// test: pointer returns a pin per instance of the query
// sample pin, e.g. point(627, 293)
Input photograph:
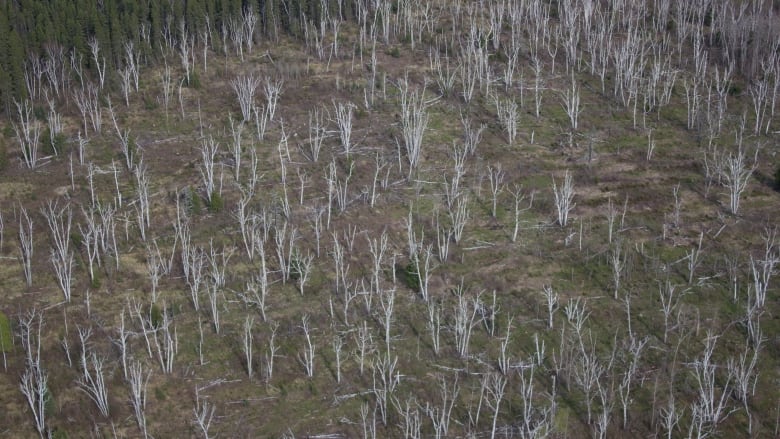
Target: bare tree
point(271, 353)
point(495, 385)
point(519, 197)
point(508, 116)
point(551, 301)
point(34, 380)
point(142, 205)
point(459, 215)
point(247, 344)
point(272, 91)
point(385, 381)
point(93, 382)
point(423, 271)
point(465, 314)
point(203, 414)
point(208, 152)
point(571, 103)
point(670, 416)
point(308, 351)
point(249, 20)
point(125, 144)
point(414, 121)
point(26, 244)
point(138, 382)
point(471, 136)
point(745, 378)
point(365, 344)
point(28, 133)
point(588, 372)
point(338, 345)
point(617, 262)
point(496, 179)
point(63, 269)
point(441, 415)
point(245, 87)
point(236, 148)
point(563, 198)
point(539, 84)
point(630, 374)
point(166, 341)
point(167, 88)
point(344, 123)
point(711, 405)
point(317, 134)
point(125, 84)
point(736, 174)
point(387, 304)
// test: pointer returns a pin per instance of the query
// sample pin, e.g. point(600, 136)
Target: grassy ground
point(574, 260)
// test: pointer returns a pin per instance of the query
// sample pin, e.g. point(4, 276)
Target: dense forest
point(36, 36)
point(40, 38)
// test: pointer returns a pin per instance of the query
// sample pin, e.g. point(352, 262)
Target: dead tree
point(26, 244)
point(236, 130)
point(34, 380)
point(28, 133)
point(247, 344)
point(203, 414)
point(495, 386)
point(519, 197)
point(508, 116)
point(245, 87)
point(272, 91)
point(138, 383)
point(308, 351)
point(344, 123)
point(551, 302)
point(496, 179)
point(563, 198)
point(711, 406)
point(736, 174)
point(414, 121)
point(208, 152)
point(571, 103)
point(93, 381)
point(465, 315)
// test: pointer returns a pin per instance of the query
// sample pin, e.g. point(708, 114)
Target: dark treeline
point(34, 32)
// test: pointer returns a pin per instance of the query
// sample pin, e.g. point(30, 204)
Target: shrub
point(194, 80)
point(6, 341)
point(55, 144)
point(3, 156)
point(95, 284)
point(156, 316)
point(777, 178)
point(410, 276)
point(216, 203)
